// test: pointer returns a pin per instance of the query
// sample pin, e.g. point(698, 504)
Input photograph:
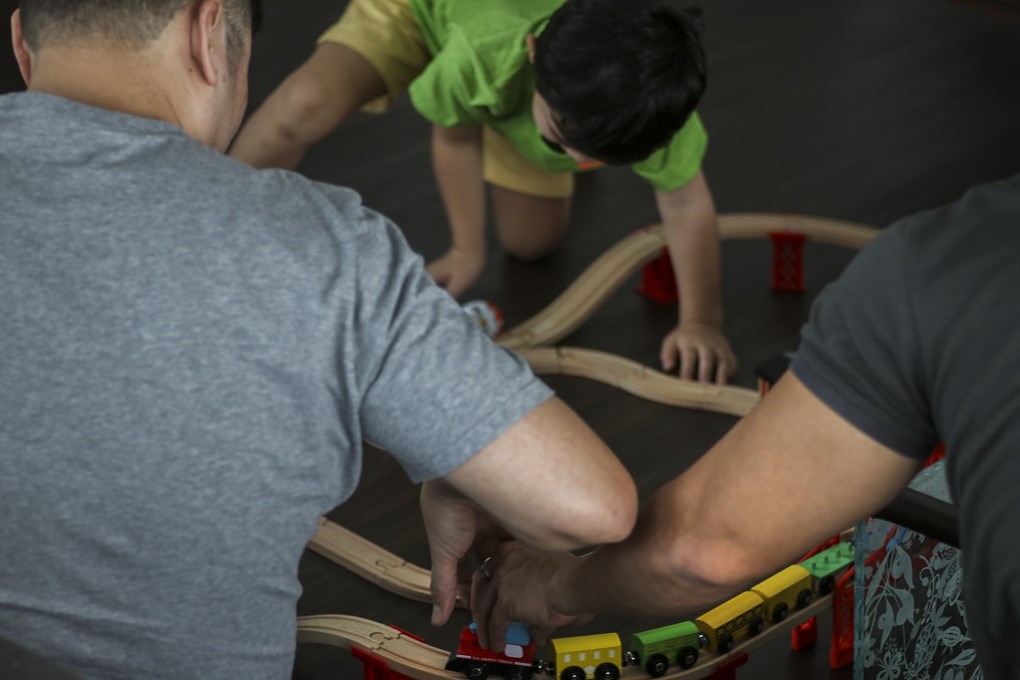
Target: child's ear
point(530, 40)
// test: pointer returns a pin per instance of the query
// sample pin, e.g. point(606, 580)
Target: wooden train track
point(401, 652)
point(404, 654)
point(371, 562)
point(607, 273)
point(639, 380)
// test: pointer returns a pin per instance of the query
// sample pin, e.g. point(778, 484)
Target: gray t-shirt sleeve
point(434, 389)
point(861, 353)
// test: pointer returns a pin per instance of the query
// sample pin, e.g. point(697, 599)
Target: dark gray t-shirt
point(192, 352)
point(916, 344)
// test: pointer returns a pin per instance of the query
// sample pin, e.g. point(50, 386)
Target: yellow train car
point(588, 656)
point(742, 616)
point(786, 590)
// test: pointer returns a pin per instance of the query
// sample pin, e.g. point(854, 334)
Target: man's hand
point(702, 346)
point(454, 526)
point(457, 270)
point(522, 588)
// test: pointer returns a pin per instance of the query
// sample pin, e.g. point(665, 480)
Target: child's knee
point(530, 247)
point(529, 227)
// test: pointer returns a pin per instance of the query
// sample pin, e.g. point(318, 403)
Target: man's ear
point(208, 39)
point(21, 51)
point(530, 40)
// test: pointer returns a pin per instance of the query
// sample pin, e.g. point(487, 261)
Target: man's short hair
point(621, 78)
point(131, 23)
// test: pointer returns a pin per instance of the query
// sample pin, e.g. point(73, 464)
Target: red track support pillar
point(804, 635)
point(728, 669)
point(658, 281)
point(375, 667)
point(938, 454)
point(787, 261)
point(842, 651)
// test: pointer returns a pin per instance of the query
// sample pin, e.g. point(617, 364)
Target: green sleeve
point(676, 164)
point(455, 88)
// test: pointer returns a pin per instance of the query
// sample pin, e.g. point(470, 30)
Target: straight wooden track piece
point(819, 229)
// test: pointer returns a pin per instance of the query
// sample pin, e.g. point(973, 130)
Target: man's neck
point(129, 81)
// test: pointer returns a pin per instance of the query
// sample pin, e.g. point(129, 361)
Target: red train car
point(516, 662)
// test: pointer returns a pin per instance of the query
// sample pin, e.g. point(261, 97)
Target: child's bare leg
point(529, 227)
point(308, 105)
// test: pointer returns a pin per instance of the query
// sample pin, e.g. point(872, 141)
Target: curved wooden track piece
point(371, 562)
point(639, 380)
point(415, 659)
point(591, 289)
point(588, 291)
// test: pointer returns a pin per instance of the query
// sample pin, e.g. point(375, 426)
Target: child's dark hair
point(621, 76)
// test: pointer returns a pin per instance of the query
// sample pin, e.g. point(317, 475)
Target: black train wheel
point(476, 671)
point(687, 657)
point(572, 673)
point(607, 671)
point(657, 665)
point(757, 626)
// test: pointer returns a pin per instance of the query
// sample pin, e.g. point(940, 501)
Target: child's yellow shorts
point(385, 33)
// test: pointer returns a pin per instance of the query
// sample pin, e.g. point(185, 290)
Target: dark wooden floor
point(866, 110)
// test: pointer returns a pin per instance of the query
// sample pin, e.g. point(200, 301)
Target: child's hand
point(702, 346)
point(457, 270)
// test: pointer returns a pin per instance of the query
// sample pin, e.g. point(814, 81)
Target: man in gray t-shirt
point(913, 345)
point(194, 351)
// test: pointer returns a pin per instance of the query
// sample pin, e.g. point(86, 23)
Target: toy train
point(602, 656)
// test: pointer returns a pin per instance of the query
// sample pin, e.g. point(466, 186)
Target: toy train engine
point(782, 592)
point(598, 657)
point(655, 649)
point(516, 662)
point(828, 565)
point(739, 617)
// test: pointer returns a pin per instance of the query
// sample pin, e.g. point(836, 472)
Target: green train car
point(655, 649)
point(828, 565)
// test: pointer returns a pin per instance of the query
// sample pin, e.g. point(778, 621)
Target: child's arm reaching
point(457, 161)
point(689, 219)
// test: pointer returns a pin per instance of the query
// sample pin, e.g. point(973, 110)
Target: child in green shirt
point(521, 96)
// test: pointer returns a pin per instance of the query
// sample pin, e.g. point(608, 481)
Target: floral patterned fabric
point(909, 614)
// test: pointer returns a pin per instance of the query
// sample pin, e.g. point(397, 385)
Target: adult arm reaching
point(518, 481)
point(788, 475)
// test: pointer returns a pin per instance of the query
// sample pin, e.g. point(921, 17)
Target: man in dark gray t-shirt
point(912, 346)
point(193, 352)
